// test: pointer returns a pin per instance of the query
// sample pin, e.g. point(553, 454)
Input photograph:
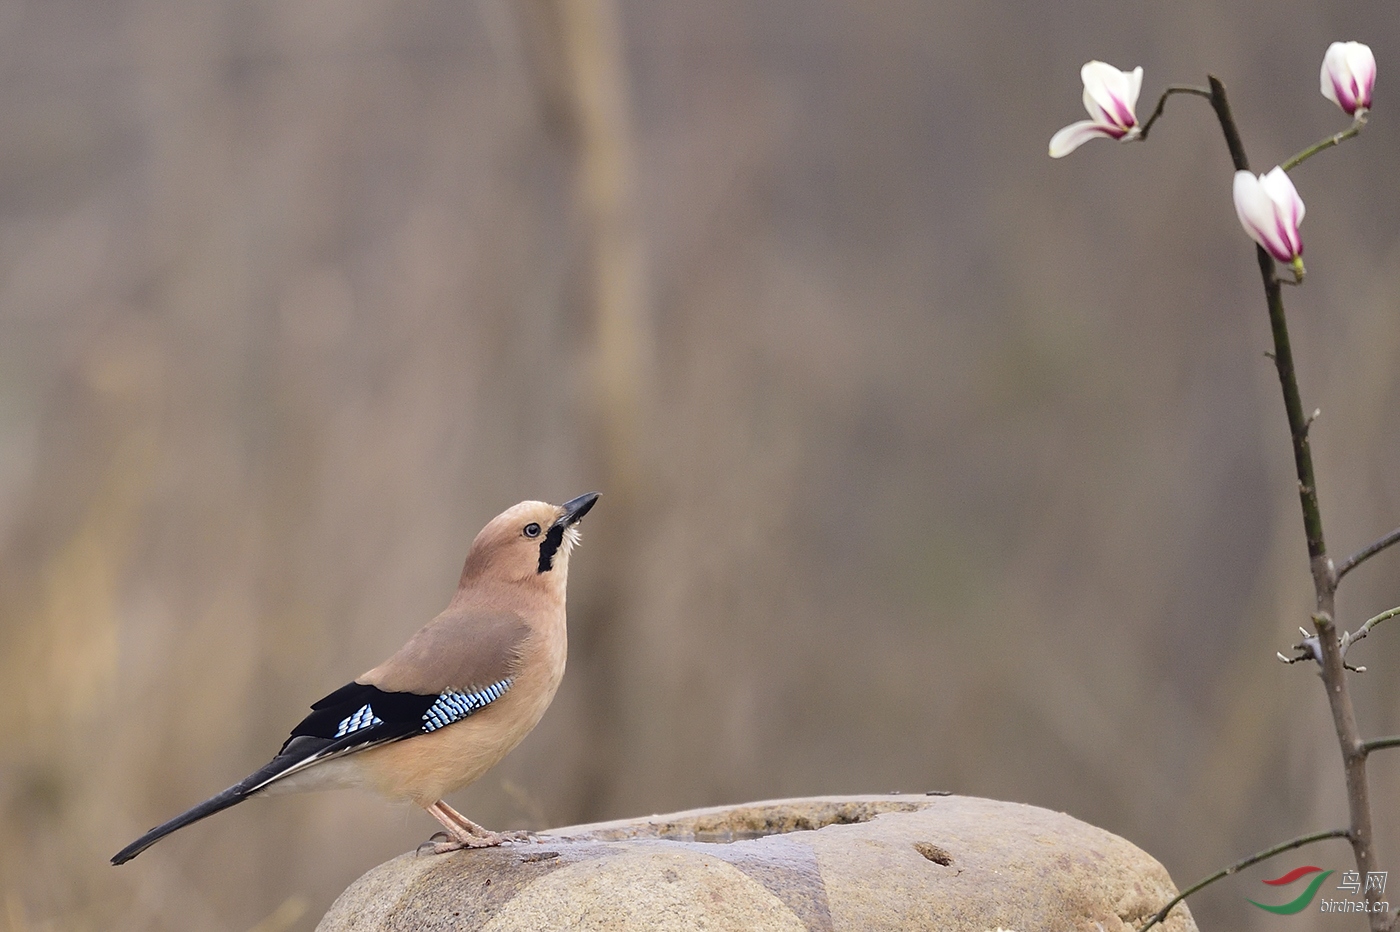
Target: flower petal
point(1097, 113)
point(1362, 63)
point(1288, 208)
point(1134, 87)
point(1107, 93)
point(1281, 191)
point(1075, 135)
point(1332, 64)
point(1258, 216)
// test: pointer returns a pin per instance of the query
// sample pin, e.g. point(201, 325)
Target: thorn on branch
point(1310, 648)
point(1268, 354)
point(1307, 424)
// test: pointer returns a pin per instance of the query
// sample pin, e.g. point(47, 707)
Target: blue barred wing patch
point(453, 705)
point(363, 717)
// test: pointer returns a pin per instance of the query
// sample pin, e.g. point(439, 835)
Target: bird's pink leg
point(461, 831)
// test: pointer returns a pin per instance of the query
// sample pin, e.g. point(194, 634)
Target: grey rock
point(809, 865)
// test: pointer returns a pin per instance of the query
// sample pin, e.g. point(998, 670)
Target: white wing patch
point(453, 706)
point(363, 717)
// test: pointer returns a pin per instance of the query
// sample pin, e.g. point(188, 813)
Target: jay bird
point(453, 701)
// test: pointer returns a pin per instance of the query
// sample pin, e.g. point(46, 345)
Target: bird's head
point(528, 543)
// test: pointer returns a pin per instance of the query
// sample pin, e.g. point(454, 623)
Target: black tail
point(229, 797)
point(296, 751)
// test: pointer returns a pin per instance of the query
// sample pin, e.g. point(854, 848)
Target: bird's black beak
point(576, 508)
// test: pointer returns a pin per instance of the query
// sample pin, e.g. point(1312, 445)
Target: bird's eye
point(532, 530)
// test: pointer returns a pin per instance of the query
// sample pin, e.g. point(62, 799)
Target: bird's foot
point(488, 840)
point(458, 844)
point(443, 842)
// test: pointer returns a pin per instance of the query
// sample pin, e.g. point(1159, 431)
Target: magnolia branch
point(1323, 573)
point(1270, 209)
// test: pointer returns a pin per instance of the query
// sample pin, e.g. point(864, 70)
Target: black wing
point(356, 715)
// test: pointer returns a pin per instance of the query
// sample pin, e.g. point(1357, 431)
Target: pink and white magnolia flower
point(1270, 211)
point(1349, 76)
point(1110, 96)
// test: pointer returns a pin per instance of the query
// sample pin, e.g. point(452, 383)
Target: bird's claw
point(431, 845)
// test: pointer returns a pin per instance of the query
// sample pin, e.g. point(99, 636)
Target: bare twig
point(1238, 866)
point(1349, 639)
point(1335, 139)
point(1376, 744)
point(1366, 553)
point(1162, 102)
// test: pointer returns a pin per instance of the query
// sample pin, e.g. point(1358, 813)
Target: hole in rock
point(934, 853)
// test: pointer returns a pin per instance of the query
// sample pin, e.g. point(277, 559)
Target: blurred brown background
point(928, 462)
